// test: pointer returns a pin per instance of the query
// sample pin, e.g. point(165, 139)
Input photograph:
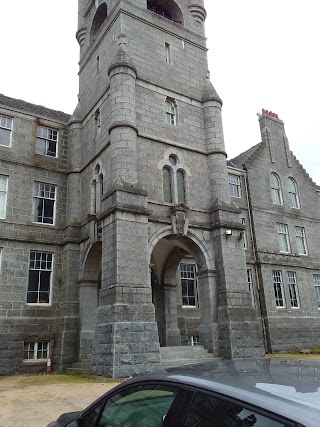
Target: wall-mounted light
point(228, 232)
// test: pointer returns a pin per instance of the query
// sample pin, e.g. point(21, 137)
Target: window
point(98, 66)
point(234, 185)
point(181, 189)
point(97, 117)
point(47, 141)
point(316, 281)
point(171, 116)
point(301, 240)
point(144, 405)
point(278, 288)
point(44, 202)
point(293, 194)
point(209, 411)
point(293, 289)
point(158, 8)
point(39, 283)
point(174, 181)
point(167, 189)
point(38, 350)
point(194, 340)
point(3, 195)
point(188, 284)
point(244, 234)
point(167, 53)
point(0, 257)
point(276, 189)
point(283, 238)
point(5, 130)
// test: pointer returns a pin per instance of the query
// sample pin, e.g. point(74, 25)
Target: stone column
point(173, 337)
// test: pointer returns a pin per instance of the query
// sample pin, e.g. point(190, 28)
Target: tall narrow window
point(47, 141)
point(316, 281)
point(97, 117)
point(98, 65)
point(301, 240)
point(39, 284)
point(44, 202)
point(244, 234)
point(283, 238)
point(250, 285)
point(188, 284)
point(5, 130)
point(278, 288)
point(181, 190)
point(276, 189)
point(94, 197)
point(3, 195)
point(167, 188)
point(171, 113)
point(293, 289)
point(234, 185)
point(293, 193)
point(101, 184)
point(167, 50)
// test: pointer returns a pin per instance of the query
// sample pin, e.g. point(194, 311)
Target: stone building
point(123, 228)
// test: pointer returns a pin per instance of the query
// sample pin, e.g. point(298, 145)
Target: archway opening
point(166, 8)
point(98, 20)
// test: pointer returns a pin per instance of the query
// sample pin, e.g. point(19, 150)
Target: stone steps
point(82, 367)
point(184, 355)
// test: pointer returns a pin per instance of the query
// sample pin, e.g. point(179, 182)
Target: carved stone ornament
point(180, 219)
point(206, 236)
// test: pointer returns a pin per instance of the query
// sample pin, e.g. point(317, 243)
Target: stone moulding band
point(122, 124)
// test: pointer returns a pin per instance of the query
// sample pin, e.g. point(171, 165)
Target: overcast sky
point(262, 54)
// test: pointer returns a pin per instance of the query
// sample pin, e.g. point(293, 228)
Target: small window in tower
point(171, 111)
point(98, 65)
point(97, 117)
point(167, 52)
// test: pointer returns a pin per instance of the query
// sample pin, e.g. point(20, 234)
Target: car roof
point(283, 387)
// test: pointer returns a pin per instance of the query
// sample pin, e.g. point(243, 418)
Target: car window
point(142, 406)
point(208, 411)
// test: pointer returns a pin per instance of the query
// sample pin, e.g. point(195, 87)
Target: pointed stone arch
point(99, 18)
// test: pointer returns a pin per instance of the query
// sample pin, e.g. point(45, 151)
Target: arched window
point(167, 184)
point(181, 189)
point(166, 8)
point(276, 189)
point(98, 20)
point(293, 193)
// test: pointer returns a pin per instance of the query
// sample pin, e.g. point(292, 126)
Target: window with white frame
point(188, 284)
point(301, 240)
point(283, 238)
point(47, 141)
point(171, 111)
point(194, 340)
point(234, 185)
point(316, 281)
point(167, 50)
point(3, 195)
point(35, 350)
point(174, 182)
point(276, 192)
point(293, 194)
point(39, 282)
point(278, 288)
point(44, 202)
point(5, 130)
point(293, 289)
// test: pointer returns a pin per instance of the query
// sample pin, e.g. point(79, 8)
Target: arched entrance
point(183, 290)
point(90, 285)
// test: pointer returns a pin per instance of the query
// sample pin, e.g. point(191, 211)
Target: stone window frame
point(276, 190)
point(167, 51)
point(34, 348)
point(48, 194)
point(47, 141)
point(97, 188)
point(316, 282)
point(250, 285)
point(194, 340)
point(293, 289)
point(6, 126)
point(4, 183)
point(283, 238)
point(294, 199)
point(301, 240)
point(234, 185)
point(40, 272)
point(244, 234)
point(1, 251)
point(190, 276)
point(172, 167)
point(171, 111)
point(278, 289)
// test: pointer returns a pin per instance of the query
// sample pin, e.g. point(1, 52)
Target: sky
point(262, 54)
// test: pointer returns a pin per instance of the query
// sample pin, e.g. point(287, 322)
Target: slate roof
point(36, 110)
point(242, 158)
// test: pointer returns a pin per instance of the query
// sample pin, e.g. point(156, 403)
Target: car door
point(142, 405)
point(210, 410)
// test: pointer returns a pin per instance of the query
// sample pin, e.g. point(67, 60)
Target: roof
point(36, 110)
point(242, 158)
